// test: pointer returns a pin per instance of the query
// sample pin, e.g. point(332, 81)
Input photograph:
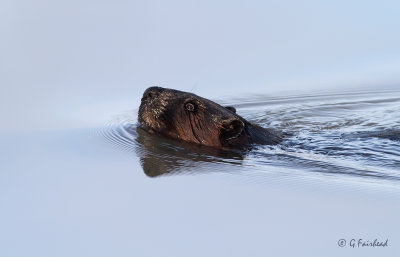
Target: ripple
point(332, 137)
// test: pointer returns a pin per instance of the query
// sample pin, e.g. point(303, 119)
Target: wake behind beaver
point(343, 137)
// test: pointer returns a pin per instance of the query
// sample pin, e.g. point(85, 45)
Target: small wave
point(338, 136)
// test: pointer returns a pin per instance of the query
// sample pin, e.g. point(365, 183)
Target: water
point(348, 137)
point(75, 181)
point(114, 190)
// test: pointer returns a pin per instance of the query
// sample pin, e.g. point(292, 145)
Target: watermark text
point(363, 243)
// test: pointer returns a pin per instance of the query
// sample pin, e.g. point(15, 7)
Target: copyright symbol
point(342, 242)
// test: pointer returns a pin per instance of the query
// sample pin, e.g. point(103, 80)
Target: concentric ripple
point(352, 136)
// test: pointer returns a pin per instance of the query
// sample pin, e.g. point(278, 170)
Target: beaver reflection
point(160, 155)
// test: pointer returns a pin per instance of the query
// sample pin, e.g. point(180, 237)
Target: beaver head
point(191, 118)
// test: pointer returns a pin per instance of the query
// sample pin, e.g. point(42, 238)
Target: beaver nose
point(152, 92)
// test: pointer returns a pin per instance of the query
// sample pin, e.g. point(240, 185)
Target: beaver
point(191, 118)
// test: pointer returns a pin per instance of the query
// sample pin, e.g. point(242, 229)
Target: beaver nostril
point(151, 94)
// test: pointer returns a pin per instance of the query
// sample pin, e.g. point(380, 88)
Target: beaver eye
point(190, 107)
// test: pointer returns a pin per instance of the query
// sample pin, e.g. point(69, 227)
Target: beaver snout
point(152, 92)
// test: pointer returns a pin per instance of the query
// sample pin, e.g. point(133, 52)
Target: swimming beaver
point(191, 118)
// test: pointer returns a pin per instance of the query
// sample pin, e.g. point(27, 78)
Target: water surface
point(114, 190)
point(332, 137)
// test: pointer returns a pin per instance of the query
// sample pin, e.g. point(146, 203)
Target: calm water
point(343, 138)
point(79, 179)
point(114, 190)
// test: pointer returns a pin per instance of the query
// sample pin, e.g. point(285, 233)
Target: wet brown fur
point(191, 118)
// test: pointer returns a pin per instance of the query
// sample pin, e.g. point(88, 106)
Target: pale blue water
point(78, 179)
point(98, 191)
point(330, 137)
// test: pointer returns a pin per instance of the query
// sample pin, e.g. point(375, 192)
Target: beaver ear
point(231, 128)
point(232, 109)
